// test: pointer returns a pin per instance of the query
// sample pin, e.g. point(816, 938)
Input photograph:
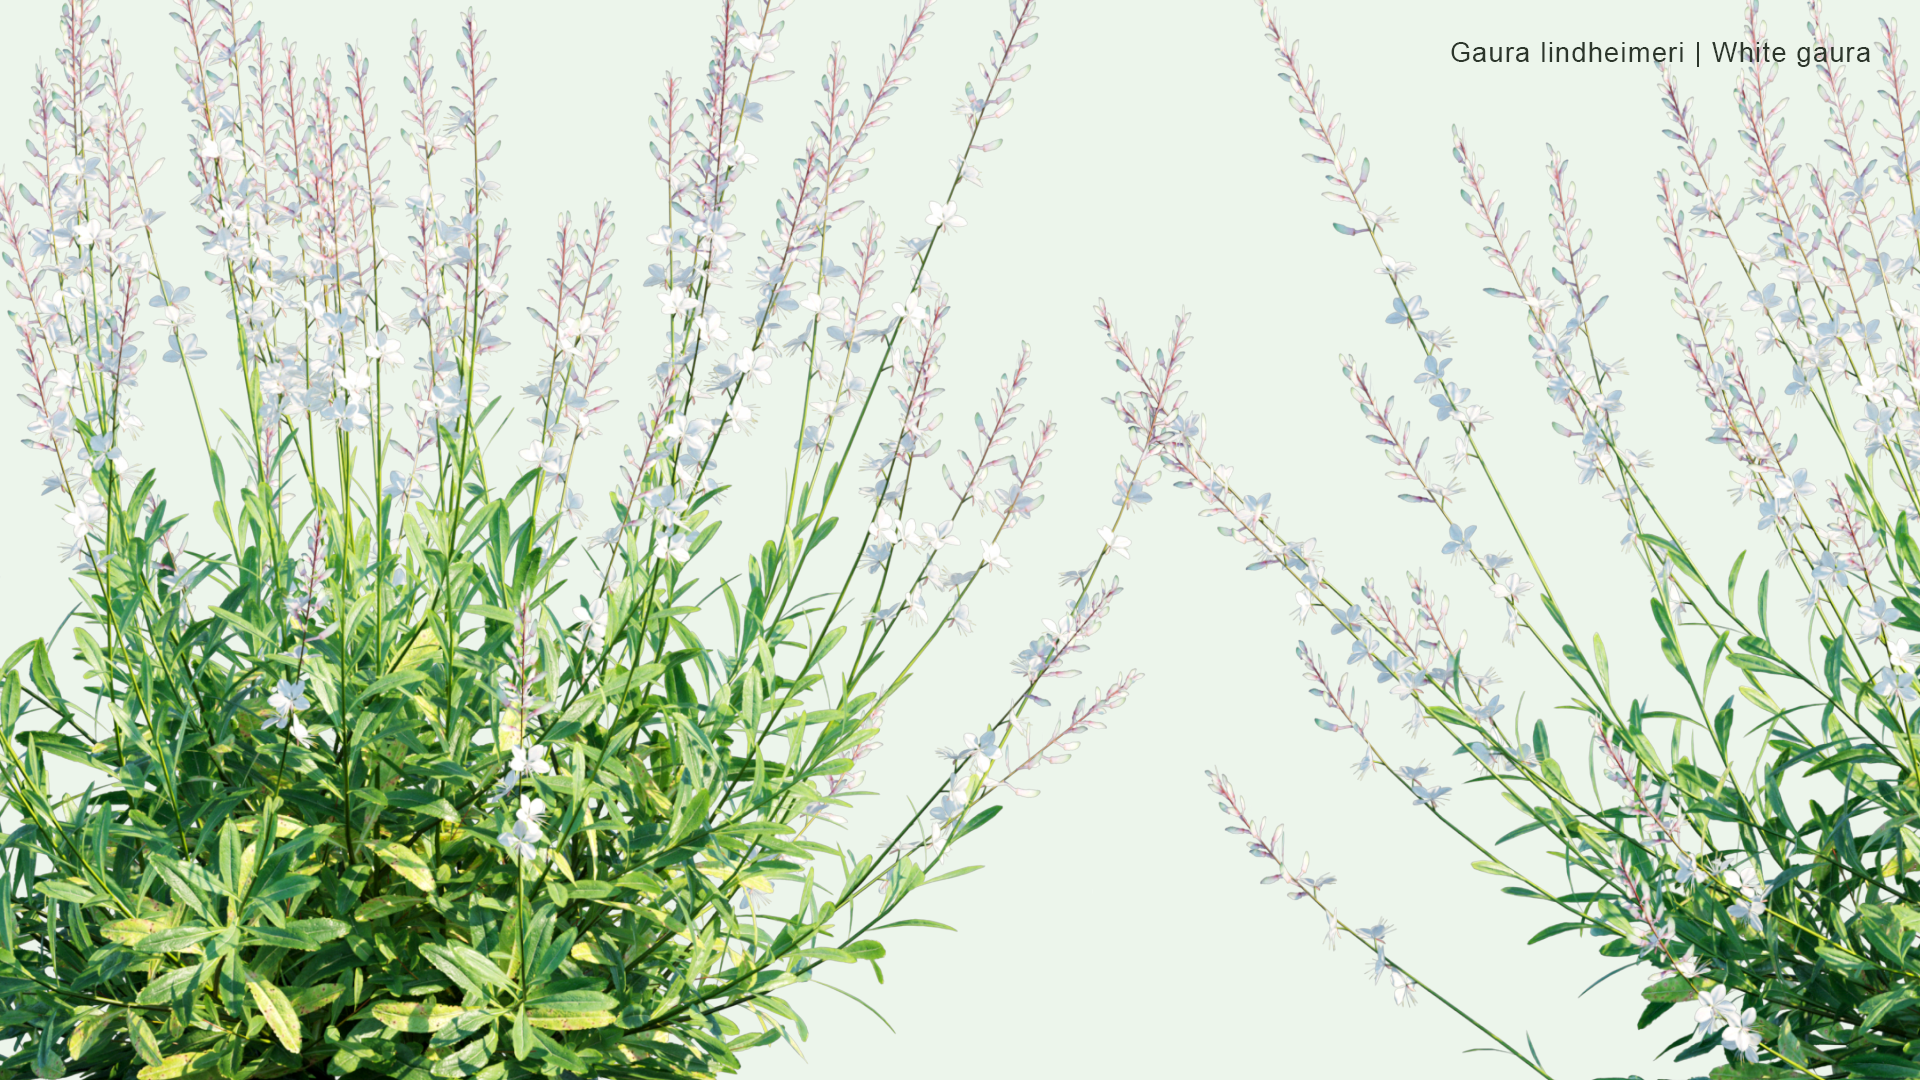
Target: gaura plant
point(1745, 830)
point(400, 777)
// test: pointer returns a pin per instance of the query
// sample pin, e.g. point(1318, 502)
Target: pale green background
point(1151, 160)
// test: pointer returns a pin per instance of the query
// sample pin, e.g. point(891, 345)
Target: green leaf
point(380, 907)
point(977, 820)
point(67, 891)
point(290, 887)
point(473, 964)
point(393, 681)
point(176, 939)
point(572, 1001)
point(280, 939)
point(41, 672)
point(1744, 1070)
point(240, 623)
point(322, 930)
point(468, 1061)
point(1673, 552)
point(160, 990)
point(1676, 989)
point(915, 922)
point(568, 1021)
point(1555, 930)
point(962, 872)
point(1761, 665)
point(1881, 1066)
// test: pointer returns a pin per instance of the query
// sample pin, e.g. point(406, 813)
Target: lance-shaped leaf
point(279, 1012)
point(420, 1017)
point(140, 1033)
point(308, 998)
point(174, 1065)
point(571, 1010)
point(405, 861)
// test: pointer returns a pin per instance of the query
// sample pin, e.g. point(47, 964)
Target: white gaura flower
point(529, 759)
point(1901, 655)
point(1393, 268)
point(1647, 937)
point(1687, 965)
point(677, 301)
point(960, 620)
point(594, 616)
point(289, 697)
point(522, 841)
point(87, 517)
point(1717, 1007)
point(1304, 886)
point(533, 810)
point(1377, 933)
point(1306, 607)
point(1403, 989)
point(947, 809)
point(385, 351)
point(1741, 1038)
point(1512, 587)
point(296, 730)
point(984, 749)
point(822, 305)
point(823, 810)
point(990, 557)
point(944, 214)
point(221, 149)
point(911, 311)
point(1685, 869)
point(1115, 544)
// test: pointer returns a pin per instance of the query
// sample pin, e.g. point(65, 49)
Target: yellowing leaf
point(169, 1067)
point(382, 906)
point(128, 931)
point(405, 861)
point(756, 882)
point(279, 1012)
point(308, 998)
point(419, 1017)
point(85, 1032)
point(283, 826)
point(595, 951)
point(425, 648)
point(141, 1035)
point(569, 1021)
